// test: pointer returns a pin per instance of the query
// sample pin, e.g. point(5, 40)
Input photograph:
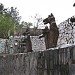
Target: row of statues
point(51, 35)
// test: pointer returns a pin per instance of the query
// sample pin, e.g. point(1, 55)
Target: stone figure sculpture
point(51, 35)
point(27, 42)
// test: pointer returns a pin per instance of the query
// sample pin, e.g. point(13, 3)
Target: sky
point(62, 9)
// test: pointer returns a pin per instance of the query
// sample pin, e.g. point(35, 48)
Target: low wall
point(50, 62)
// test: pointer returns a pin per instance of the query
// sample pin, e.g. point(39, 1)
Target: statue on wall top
point(27, 41)
point(51, 35)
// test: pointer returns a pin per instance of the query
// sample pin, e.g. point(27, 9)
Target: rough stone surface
point(38, 44)
point(66, 32)
point(49, 62)
point(2, 45)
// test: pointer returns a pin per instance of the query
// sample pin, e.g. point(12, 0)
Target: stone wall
point(2, 45)
point(50, 62)
point(38, 44)
point(66, 32)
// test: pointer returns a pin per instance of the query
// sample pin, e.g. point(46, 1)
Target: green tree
point(6, 25)
point(8, 20)
point(15, 15)
point(24, 25)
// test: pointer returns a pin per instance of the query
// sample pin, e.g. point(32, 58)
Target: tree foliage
point(15, 14)
point(24, 25)
point(9, 18)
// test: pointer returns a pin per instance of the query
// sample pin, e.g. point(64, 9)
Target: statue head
point(50, 19)
point(72, 19)
point(26, 32)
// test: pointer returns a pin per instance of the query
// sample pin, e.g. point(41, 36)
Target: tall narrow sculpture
point(51, 35)
point(27, 42)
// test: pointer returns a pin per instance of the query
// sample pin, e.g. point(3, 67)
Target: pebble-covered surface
point(66, 32)
point(38, 44)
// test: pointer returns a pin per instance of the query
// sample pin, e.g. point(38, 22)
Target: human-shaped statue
point(6, 46)
point(27, 41)
point(46, 35)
